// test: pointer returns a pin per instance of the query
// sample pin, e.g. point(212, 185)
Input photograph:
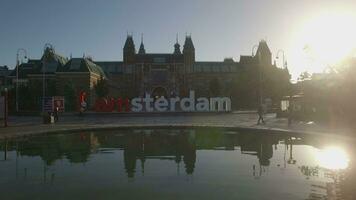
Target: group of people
point(56, 111)
point(48, 118)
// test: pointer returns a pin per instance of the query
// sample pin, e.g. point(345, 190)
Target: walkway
point(20, 126)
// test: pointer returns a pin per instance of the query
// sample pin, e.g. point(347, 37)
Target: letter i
point(119, 104)
point(127, 105)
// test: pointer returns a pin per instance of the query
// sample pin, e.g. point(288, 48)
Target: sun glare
point(324, 40)
point(332, 158)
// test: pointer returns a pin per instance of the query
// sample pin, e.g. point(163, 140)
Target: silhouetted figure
point(260, 115)
point(48, 118)
point(132, 151)
point(5, 150)
point(130, 162)
point(83, 107)
point(55, 113)
point(189, 159)
point(189, 152)
point(265, 153)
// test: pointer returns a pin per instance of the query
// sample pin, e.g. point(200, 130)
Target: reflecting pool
point(176, 164)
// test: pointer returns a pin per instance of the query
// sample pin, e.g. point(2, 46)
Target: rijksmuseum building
point(159, 74)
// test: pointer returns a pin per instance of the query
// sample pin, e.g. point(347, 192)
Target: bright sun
point(332, 158)
point(324, 40)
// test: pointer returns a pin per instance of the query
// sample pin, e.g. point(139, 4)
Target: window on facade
point(159, 60)
point(171, 68)
point(129, 69)
point(159, 76)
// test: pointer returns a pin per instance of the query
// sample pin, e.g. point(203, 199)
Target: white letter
point(222, 102)
point(190, 101)
point(136, 104)
point(161, 104)
point(202, 104)
point(173, 102)
point(148, 100)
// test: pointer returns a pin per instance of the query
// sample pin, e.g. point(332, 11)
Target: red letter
point(119, 104)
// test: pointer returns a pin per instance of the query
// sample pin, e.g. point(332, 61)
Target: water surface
point(176, 164)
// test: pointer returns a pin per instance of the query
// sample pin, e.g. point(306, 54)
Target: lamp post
point(253, 50)
point(46, 47)
point(17, 75)
point(291, 160)
point(283, 57)
point(5, 107)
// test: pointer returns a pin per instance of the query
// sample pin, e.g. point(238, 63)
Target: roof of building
point(60, 59)
point(159, 58)
point(129, 44)
point(4, 71)
point(263, 48)
point(212, 66)
point(31, 67)
point(188, 44)
point(52, 61)
point(177, 48)
point(4, 68)
point(82, 65)
point(247, 60)
point(111, 67)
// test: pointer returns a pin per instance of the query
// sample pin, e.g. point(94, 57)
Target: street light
point(5, 108)
point(253, 50)
point(283, 57)
point(17, 75)
point(47, 46)
point(291, 160)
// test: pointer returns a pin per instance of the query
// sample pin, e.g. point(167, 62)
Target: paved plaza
point(22, 126)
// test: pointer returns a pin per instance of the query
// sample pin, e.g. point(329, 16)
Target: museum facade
point(157, 74)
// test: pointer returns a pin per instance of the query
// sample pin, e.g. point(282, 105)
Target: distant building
point(4, 73)
point(159, 74)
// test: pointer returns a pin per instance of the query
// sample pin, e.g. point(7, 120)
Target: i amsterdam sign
point(162, 104)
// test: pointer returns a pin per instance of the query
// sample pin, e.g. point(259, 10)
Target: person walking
point(83, 107)
point(55, 113)
point(260, 115)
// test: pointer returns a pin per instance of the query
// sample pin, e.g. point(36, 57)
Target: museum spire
point(177, 47)
point(188, 44)
point(188, 51)
point(129, 49)
point(142, 47)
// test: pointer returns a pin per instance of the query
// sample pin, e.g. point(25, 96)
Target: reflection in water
point(159, 145)
point(211, 155)
point(5, 149)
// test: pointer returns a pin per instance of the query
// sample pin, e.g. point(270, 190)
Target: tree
point(101, 88)
point(331, 95)
point(304, 76)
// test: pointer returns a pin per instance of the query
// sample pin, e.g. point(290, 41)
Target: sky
point(219, 28)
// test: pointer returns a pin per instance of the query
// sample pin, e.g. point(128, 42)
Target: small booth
point(296, 103)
